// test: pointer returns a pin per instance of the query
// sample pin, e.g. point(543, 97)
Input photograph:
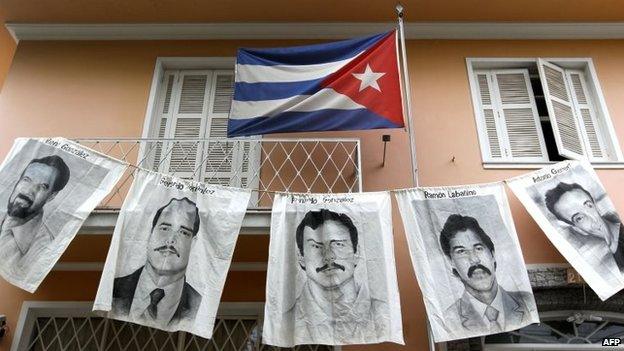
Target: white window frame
point(152, 116)
point(176, 63)
point(479, 63)
point(31, 310)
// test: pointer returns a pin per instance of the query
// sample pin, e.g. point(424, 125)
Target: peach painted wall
point(100, 89)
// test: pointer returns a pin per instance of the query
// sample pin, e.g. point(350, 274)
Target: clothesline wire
point(285, 192)
point(135, 167)
point(398, 190)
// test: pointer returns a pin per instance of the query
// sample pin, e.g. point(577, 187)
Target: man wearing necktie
point(158, 293)
point(484, 307)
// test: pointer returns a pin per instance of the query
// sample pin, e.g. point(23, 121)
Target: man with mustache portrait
point(158, 293)
point(599, 237)
point(485, 306)
point(22, 233)
point(332, 303)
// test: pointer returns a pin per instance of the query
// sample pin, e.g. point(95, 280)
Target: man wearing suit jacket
point(484, 307)
point(158, 293)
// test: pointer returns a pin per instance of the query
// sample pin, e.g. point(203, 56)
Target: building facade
point(151, 83)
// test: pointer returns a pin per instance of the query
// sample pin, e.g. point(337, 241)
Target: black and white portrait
point(170, 253)
point(572, 208)
point(49, 186)
point(331, 277)
point(467, 259)
point(158, 291)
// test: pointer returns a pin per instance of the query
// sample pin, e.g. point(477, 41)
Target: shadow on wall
point(7, 50)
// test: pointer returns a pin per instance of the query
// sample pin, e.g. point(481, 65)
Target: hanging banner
point(572, 208)
point(331, 275)
point(467, 259)
point(49, 186)
point(170, 253)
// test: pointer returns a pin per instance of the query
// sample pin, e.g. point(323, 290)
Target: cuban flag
point(345, 85)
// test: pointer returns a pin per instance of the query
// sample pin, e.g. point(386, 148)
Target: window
point(540, 110)
point(71, 326)
point(561, 330)
point(190, 124)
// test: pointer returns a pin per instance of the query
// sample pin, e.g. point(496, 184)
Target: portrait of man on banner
point(572, 208)
point(332, 300)
point(158, 292)
point(48, 187)
point(588, 226)
point(21, 229)
point(170, 253)
point(331, 278)
point(485, 306)
point(467, 259)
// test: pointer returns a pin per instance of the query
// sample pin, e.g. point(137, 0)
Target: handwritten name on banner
point(450, 194)
point(68, 148)
point(303, 199)
point(553, 172)
point(170, 182)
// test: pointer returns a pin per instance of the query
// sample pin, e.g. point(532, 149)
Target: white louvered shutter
point(195, 105)
point(510, 117)
point(561, 111)
point(163, 118)
point(586, 115)
point(219, 167)
point(227, 162)
point(524, 137)
point(189, 122)
point(488, 112)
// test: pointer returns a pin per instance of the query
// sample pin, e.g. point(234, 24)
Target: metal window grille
point(100, 334)
point(561, 330)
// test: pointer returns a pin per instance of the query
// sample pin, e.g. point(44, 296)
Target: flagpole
point(407, 95)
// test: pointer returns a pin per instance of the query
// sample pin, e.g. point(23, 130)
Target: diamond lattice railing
point(99, 334)
point(124, 336)
point(66, 333)
point(265, 165)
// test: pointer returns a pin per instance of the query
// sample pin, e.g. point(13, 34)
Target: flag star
point(368, 78)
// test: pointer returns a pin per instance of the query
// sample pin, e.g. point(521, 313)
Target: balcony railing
point(264, 165)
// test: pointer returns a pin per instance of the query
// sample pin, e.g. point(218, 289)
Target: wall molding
point(313, 30)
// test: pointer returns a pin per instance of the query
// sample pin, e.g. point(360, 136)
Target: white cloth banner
point(572, 208)
point(331, 276)
point(170, 253)
point(49, 186)
point(467, 259)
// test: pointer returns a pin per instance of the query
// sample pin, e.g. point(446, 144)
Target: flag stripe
point(318, 120)
point(328, 98)
point(288, 73)
point(308, 54)
point(272, 91)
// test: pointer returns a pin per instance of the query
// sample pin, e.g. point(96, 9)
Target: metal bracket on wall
point(385, 138)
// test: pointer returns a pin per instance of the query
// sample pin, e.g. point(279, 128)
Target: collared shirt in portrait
point(166, 307)
point(23, 244)
point(353, 323)
point(464, 319)
point(481, 307)
point(596, 253)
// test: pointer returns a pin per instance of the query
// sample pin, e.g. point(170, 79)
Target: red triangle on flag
point(372, 80)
